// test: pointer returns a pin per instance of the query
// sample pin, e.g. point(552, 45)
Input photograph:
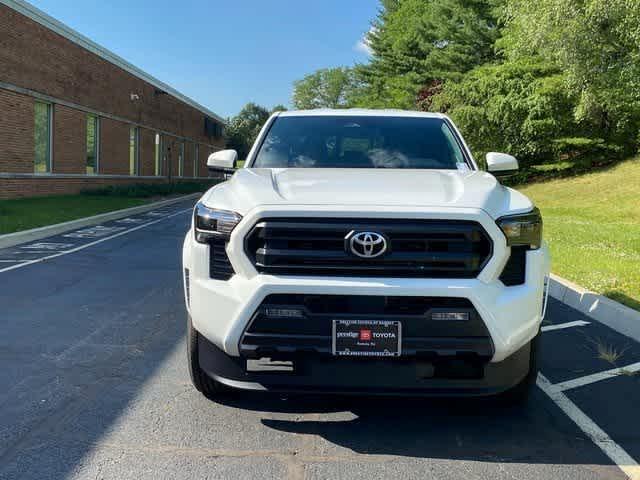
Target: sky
point(223, 54)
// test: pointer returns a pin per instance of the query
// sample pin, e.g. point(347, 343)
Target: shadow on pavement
point(480, 429)
point(81, 335)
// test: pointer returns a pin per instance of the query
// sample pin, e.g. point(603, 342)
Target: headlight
point(523, 229)
point(210, 223)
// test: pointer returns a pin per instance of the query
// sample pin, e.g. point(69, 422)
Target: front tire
point(201, 381)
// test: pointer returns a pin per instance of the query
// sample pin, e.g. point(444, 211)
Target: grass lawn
point(592, 224)
point(25, 213)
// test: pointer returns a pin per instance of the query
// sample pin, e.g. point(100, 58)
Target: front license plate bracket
point(367, 338)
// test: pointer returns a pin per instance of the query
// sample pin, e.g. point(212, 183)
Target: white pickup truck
point(363, 251)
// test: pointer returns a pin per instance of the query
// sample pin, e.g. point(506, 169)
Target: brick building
point(74, 115)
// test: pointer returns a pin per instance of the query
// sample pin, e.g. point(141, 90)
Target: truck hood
point(249, 188)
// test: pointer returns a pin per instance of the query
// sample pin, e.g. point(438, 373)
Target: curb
point(17, 238)
point(619, 317)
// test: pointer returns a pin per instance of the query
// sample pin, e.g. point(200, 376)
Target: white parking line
point(130, 220)
point(87, 245)
point(93, 232)
point(614, 451)
point(596, 377)
point(559, 326)
point(46, 246)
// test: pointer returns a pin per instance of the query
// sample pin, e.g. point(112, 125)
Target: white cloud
point(363, 45)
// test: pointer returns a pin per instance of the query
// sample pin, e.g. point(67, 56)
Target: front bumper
point(321, 374)
point(221, 310)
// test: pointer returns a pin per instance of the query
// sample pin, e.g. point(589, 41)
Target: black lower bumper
point(340, 375)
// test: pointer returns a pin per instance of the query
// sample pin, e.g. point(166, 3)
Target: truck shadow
point(454, 429)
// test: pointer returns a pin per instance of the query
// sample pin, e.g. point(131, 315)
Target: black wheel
point(520, 394)
point(203, 383)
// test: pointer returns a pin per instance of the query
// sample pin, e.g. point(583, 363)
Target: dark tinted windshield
point(359, 142)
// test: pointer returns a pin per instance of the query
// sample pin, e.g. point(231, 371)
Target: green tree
point(324, 88)
point(542, 79)
point(416, 43)
point(243, 129)
point(520, 107)
point(597, 44)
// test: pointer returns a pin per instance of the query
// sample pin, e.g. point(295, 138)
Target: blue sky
point(224, 54)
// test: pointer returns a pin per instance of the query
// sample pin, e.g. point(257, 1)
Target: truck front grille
point(416, 248)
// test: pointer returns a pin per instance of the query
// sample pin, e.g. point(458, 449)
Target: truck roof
point(360, 112)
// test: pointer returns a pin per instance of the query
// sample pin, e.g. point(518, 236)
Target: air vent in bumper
point(219, 265)
point(516, 268)
point(277, 331)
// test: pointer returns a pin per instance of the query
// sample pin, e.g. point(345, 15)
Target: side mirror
point(222, 161)
point(501, 164)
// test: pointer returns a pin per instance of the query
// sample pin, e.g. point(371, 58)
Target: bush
point(145, 190)
point(587, 149)
point(519, 107)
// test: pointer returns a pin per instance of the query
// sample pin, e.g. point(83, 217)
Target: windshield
point(360, 142)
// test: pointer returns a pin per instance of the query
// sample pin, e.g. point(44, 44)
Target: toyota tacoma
point(364, 251)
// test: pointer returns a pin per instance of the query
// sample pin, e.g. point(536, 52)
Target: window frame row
point(43, 146)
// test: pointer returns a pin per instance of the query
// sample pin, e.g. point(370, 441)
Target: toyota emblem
point(367, 244)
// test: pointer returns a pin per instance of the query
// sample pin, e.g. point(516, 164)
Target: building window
point(181, 160)
point(158, 156)
point(196, 158)
point(42, 159)
point(93, 136)
point(133, 150)
point(213, 128)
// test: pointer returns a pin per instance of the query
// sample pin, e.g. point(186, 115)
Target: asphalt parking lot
point(94, 385)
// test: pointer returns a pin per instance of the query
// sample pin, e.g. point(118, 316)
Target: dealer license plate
point(367, 338)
